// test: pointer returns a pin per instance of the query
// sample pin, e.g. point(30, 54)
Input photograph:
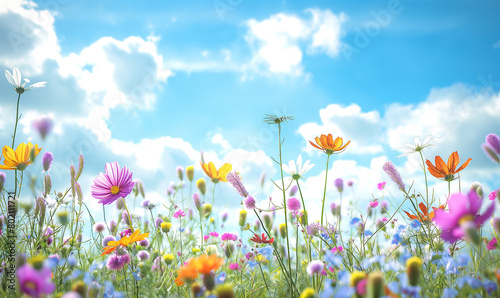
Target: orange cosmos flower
point(19, 159)
point(446, 171)
point(188, 273)
point(215, 175)
point(124, 241)
point(425, 216)
point(205, 264)
point(328, 145)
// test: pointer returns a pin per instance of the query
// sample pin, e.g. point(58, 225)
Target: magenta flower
point(179, 213)
point(462, 215)
point(116, 262)
point(339, 184)
point(492, 244)
point(492, 195)
point(374, 204)
point(228, 236)
point(381, 185)
point(214, 234)
point(115, 183)
point(234, 266)
point(35, 283)
point(337, 249)
point(249, 202)
point(206, 237)
point(293, 204)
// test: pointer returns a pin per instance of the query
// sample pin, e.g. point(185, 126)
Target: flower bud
point(229, 249)
point(225, 291)
point(243, 217)
point(356, 277)
point(283, 230)
point(262, 179)
point(303, 218)
point(376, 285)
point(21, 259)
point(113, 227)
point(202, 187)
point(413, 270)
point(384, 207)
point(495, 222)
point(120, 204)
point(63, 217)
point(2, 180)
point(197, 202)
point(42, 206)
point(72, 172)
point(180, 173)
point(339, 184)
point(37, 262)
point(168, 258)
point(81, 162)
point(196, 289)
point(47, 161)
point(47, 185)
point(268, 221)
point(165, 226)
point(224, 216)
point(476, 186)
point(207, 210)
point(293, 190)
point(209, 281)
point(211, 249)
point(80, 287)
point(190, 173)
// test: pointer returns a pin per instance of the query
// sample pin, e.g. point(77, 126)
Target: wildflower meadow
point(411, 243)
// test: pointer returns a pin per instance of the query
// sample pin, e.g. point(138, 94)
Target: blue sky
point(151, 84)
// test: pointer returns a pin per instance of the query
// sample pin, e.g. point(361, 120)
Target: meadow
point(424, 246)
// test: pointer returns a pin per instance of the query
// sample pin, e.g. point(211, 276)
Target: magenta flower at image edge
point(35, 282)
point(115, 183)
point(463, 209)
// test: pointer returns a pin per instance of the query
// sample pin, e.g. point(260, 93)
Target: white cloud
point(277, 42)
point(219, 139)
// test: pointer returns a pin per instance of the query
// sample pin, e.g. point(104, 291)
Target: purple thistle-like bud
point(72, 172)
point(314, 267)
point(158, 222)
point(350, 183)
point(384, 206)
point(224, 216)
point(125, 218)
point(99, 227)
point(43, 126)
point(339, 184)
point(106, 239)
point(494, 142)
point(293, 204)
point(143, 255)
point(144, 243)
point(197, 202)
point(180, 172)
point(249, 202)
point(79, 192)
point(2, 180)
point(391, 171)
point(81, 162)
point(113, 226)
point(490, 152)
point(293, 190)
point(47, 161)
point(235, 180)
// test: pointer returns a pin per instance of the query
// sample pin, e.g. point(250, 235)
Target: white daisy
point(14, 79)
point(417, 146)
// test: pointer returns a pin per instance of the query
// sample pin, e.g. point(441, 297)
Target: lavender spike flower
point(391, 171)
point(235, 180)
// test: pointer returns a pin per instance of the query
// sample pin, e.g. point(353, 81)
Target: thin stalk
point(324, 191)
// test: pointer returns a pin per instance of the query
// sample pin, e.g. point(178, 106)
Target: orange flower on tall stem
point(124, 241)
point(214, 174)
point(425, 216)
point(446, 171)
point(326, 144)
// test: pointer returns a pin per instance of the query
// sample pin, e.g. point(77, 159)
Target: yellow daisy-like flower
point(214, 174)
point(124, 241)
point(19, 159)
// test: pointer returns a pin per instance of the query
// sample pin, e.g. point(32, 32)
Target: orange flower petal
point(466, 163)
point(443, 168)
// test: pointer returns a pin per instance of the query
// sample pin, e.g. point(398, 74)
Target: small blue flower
point(490, 286)
point(415, 224)
point(355, 221)
point(266, 251)
point(396, 239)
point(332, 259)
point(343, 277)
point(368, 233)
point(220, 278)
point(345, 292)
point(450, 293)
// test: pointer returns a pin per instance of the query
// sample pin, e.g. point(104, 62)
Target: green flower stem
point(129, 218)
point(284, 202)
point(425, 175)
point(324, 191)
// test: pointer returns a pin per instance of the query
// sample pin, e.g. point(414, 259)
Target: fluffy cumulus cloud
point(278, 43)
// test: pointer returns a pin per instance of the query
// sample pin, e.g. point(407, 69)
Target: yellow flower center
point(115, 190)
point(31, 285)
point(465, 218)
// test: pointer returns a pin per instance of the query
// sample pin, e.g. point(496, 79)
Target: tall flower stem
point(129, 218)
point(13, 143)
point(284, 202)
point(213, 196)
point(425, 175)
point(307, 219)
point(324, 191)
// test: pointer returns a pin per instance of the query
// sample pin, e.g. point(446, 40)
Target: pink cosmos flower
point(206, 237)
point(179, 213)
point(35, 283)
point(492, 244)
point(214, 234)
point(115, 183)
point(381, 185)
point(374, 204)
point(234, 266)
point(492, 195)
point(462, 215)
